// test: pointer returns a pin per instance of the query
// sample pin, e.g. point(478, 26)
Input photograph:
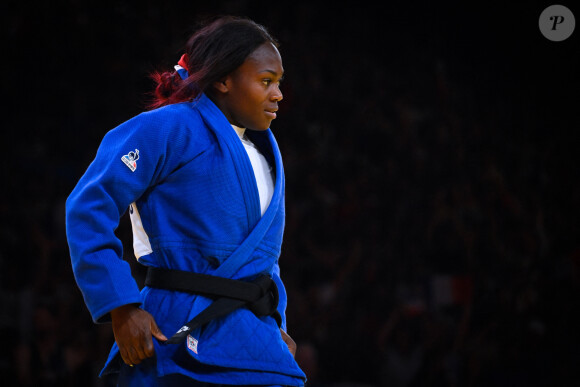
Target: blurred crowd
point(431, 232)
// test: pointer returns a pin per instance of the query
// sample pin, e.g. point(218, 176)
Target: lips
point(271, 112)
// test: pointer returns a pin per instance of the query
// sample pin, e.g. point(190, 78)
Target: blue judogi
point(195, 206)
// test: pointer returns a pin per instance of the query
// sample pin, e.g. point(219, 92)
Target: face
point(249, 96)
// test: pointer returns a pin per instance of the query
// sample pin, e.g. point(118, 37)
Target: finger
point(157, 332)
point(289, 342)
point(127, 359)
point(148, 349)
point(144, 349)
point(125, 356)
point(133, 356)
point(292, 348)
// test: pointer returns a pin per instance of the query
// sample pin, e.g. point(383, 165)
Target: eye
point(269, 81)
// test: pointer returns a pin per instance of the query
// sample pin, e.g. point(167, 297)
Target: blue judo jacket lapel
point(220, 125)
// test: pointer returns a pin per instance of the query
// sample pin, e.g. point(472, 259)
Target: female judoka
point(202, 178)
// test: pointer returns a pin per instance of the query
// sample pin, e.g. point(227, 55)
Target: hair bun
point(167, 84)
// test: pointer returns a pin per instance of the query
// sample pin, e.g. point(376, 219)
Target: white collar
point(240, 131)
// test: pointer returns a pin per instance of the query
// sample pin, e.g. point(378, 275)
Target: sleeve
point(130, 159)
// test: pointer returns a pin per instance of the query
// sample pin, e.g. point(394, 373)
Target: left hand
point(289, 342)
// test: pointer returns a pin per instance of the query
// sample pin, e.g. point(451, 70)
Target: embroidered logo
point(192, 343)
point(130, 160)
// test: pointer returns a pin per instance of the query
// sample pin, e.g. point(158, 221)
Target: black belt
point(260, 296)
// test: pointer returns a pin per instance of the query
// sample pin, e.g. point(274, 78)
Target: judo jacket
point(188, 183)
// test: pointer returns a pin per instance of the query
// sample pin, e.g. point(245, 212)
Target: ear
point(223, 85)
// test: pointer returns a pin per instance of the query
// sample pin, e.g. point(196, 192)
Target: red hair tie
point(183, 62)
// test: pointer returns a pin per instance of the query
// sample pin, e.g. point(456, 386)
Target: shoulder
point(180, 121)
point(171, 135)
point(174, 116)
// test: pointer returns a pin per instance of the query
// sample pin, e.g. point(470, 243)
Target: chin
point(260, 128)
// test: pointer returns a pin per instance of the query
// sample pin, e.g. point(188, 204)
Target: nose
point(277, 94)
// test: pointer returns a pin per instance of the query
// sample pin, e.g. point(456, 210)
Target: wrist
point(123, 310)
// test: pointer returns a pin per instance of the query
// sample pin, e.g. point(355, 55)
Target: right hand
point(133, 329)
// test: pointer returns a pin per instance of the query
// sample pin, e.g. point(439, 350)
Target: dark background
point(424, 145)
